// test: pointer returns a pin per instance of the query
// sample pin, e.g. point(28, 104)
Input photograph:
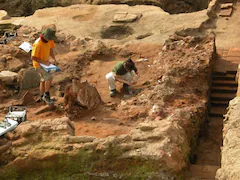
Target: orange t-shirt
point(41, 50)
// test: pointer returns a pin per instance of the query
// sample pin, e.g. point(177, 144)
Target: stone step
point(217, 111)
point(229, 83)
point(215, 119)
point(215, 124)
point(222, 96)
point(232, 72)
point(224, 89)
point(207, 172)
point(224, 77)
point(219, 103)
point(224, 73)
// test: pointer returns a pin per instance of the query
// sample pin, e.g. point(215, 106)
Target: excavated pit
point(127, 127)
point(116, 32)
point(207, 159)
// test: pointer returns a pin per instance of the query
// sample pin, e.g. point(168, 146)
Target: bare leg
point(42, 87)
point(47, 85)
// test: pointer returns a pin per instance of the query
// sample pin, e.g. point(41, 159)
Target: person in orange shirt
point(41, 51)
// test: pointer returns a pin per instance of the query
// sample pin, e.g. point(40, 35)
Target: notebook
point(26, 47)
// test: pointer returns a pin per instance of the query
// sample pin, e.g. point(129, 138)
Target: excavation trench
point(161, 121)
point(207, 159)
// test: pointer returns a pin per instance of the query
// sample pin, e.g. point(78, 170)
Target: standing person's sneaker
point(47, 99)
point(40, 99)
point(113, 93)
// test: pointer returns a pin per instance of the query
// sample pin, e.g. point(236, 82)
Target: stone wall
point(152, 150)
point(230, 168)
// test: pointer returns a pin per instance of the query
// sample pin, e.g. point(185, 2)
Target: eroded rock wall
point(230, 168)
point(28, 7)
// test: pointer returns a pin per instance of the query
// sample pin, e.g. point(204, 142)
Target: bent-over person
point(124, 72)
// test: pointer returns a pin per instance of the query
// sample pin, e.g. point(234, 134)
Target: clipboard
point(51, 68)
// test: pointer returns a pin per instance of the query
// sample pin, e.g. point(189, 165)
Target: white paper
point(26, 47)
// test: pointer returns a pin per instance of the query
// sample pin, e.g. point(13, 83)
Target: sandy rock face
point(88, 95)
point(28, 78)
point(8, 77)
point(230, 152)
point(89, 46)
point(19, 8)
point(80, 96)
point(4, 15)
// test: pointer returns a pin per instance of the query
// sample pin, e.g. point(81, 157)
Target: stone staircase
point(223, 89)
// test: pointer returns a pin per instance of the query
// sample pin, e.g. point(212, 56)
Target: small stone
point(29, 130)
point(3, 60)
point(93, 118)
point(146, 126)
point(80, 139)
point(9, 57)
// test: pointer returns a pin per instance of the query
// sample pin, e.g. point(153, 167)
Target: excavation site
point(130, 90)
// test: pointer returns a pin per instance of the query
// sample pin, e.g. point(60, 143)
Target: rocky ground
point(82, 52)
point(138, 130)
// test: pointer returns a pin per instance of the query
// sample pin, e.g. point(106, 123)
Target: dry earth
point(227, 31)
point(88, 20)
